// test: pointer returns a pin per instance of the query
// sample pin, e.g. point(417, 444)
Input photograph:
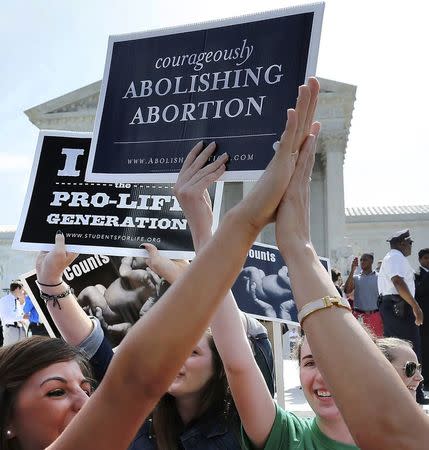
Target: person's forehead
point(69, 370)
point(305, 348)
point(203, 343)
point(404, 353)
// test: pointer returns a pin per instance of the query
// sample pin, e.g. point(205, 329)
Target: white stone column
point(334, 197)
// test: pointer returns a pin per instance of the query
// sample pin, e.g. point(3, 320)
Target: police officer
point(400, 312)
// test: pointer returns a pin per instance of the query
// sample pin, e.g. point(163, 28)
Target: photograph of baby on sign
point(263, 287)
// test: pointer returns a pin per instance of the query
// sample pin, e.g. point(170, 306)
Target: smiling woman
point(52, 384)
point(329, 423)
point(404, 359)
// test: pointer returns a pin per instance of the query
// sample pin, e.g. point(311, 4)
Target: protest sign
point(263, 287)
point(109, 218)
point(115, 290)
point(230, 81)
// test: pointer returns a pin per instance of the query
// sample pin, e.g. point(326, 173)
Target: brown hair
point(20, 361)
point(296, 350)
point(216, 400)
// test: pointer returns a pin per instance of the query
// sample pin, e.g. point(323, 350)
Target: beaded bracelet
point(55, 298)
point(321, 303)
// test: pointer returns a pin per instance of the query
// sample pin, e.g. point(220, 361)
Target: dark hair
point(369, 255)
point(423, 252)
point(216, 400)
point(20, 361)
point(15, 285)
point(335, 274)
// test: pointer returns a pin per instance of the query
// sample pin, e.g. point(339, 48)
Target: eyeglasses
point(410, 368)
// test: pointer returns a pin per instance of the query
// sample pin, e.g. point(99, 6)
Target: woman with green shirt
point(264, 424)
point(262, 420)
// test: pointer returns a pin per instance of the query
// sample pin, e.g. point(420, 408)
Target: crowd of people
point(194, 372)
point(392, 299)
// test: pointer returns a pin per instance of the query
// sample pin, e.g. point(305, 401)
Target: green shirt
point(290, 432)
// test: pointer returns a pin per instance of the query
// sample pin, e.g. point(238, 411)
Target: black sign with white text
point(109, 218)
point(230, 81)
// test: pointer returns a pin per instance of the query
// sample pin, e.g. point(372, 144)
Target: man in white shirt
point(12, 314)
point(400, 312)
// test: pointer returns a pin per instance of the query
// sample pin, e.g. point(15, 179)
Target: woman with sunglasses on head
point(404, 359)
point(153, 352)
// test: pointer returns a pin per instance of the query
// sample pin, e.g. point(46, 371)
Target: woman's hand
point(259, 207)
point(169, 269)
point(191, 190)
point(51, 265)
point(293, 214)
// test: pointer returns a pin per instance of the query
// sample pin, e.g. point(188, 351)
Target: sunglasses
point(410, 368)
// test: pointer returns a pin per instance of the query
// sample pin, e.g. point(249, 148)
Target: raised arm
point(72, 322)
point(153, 351)
point(377, 407)
point(250, 392)
point(251, 396)
point(350, 283)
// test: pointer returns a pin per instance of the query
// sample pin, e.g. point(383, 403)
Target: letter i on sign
point(71, 160)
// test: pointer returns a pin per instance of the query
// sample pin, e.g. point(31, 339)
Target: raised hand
point(261, 203)
point(191, 189)
point(51, 265)
point(293, 214)
point(169, 269)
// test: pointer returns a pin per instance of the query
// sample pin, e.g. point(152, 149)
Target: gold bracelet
point(321, 303)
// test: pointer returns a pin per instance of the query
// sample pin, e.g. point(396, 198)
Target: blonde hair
point(388, 345)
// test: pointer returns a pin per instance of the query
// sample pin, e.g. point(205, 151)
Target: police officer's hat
point(403, 235)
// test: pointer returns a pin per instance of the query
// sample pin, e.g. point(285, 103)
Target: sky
point(51, 47)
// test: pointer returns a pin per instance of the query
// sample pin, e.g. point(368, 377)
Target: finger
point(314, 87)
point(302, 106)
point(203, 157)
point(203, 183)
point(191, 156)
point(151, 249)
point(60, 245)
point(209, 169)
point(315, 129)
point(288, 137)
point(301, 164)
